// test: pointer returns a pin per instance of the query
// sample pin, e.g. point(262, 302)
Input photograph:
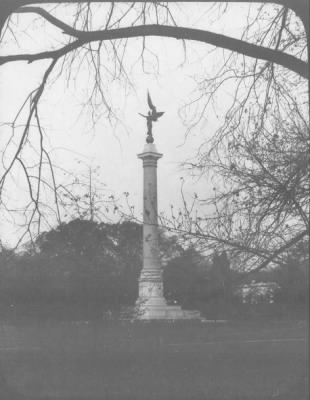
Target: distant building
point(257, 292)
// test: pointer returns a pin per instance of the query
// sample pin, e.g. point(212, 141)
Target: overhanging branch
point(248, 49)
point(50, 18)
point(53, 54)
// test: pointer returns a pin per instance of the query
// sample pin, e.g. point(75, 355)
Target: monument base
point(152, 305)
point(158, 309)
point(166, 312)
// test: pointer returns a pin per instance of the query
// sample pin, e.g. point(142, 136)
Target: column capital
point(150, 152)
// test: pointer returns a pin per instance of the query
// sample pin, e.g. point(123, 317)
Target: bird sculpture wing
point(159, 114)
point(149, 101)
point(145, 116)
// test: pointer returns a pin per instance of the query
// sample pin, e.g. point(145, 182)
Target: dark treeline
point(84, 268)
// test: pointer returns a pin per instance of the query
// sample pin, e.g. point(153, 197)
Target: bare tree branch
point(283, 248)
point(251, 50)
point(50, 18)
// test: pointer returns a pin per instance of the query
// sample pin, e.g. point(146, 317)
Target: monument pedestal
point(151, 303)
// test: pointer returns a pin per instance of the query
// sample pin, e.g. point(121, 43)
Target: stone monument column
point(151, 303)
point(151, 298)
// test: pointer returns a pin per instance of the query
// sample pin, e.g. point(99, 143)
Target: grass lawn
point(235, 361)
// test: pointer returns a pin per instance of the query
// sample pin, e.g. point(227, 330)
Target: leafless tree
point(274, 42)
point(260, 207)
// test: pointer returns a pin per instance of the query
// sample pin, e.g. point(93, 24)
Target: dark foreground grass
point(120, 361)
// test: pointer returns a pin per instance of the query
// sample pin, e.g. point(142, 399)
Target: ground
point(122, 360)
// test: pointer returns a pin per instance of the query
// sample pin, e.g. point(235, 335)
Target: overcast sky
point(73, 140)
